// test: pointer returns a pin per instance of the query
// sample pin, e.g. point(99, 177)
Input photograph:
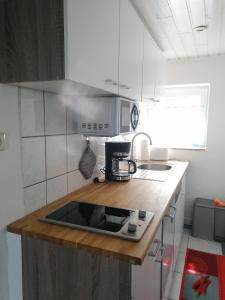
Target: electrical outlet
point(2, 141)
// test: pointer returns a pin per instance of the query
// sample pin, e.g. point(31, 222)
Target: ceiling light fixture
point(200, 28)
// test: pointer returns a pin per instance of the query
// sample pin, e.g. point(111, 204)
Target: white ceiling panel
point(222, 33)
point(180, 15)
point(172, 23)
point(202, 50)
point(197, 12)
point(189, 44)
point(215, 27)
point(170, 30)
point(162, 9)
point(200, 38)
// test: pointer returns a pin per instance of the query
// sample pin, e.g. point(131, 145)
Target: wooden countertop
point(137, 194)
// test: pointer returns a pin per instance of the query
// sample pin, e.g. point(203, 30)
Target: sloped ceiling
point(172, 23)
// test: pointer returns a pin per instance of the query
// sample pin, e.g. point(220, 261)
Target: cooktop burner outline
point(122, 222)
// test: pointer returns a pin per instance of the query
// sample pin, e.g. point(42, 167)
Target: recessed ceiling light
point(200, 28)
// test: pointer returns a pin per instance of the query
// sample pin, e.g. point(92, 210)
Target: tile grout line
point(46, 188)
point(67, 153)
point(21, 140)
point(48, 179)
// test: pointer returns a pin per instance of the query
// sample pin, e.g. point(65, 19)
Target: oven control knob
point(132, 227)
point(142, 214)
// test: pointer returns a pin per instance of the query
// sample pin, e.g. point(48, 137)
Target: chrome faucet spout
point(132, 142)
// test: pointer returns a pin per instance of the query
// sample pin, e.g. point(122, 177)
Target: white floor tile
point(204, 245)
point(175, 289)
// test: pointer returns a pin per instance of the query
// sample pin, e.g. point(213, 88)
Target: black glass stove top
point(102, 219)
point(91, 215)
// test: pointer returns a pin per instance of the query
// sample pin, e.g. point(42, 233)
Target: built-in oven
point(107, 116)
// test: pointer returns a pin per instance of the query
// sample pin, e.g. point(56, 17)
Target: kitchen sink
point(155, 167)
point(153, 171)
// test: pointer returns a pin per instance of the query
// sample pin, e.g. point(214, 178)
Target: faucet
point(134, 137)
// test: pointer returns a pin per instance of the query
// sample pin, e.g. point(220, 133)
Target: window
point(179, 119)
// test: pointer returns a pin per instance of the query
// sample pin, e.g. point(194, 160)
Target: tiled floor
point(192, 243)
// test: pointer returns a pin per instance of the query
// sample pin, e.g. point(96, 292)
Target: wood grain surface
point(55, 272)
point(137, 194)
point(31, 40)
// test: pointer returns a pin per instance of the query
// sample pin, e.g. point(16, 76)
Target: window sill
point(188, 148)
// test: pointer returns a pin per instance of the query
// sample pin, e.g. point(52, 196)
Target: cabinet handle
point(153, 253)
point(111, 82)
point(172, 216)
point(159, 260)
point(124, 86)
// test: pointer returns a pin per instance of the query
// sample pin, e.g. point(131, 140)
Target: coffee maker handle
point(131, 162)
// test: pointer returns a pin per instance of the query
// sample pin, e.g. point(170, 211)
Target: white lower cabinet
point(173, 225)
point(179, 219)
point(146, 279)
point(153, 279)
point(168, 243)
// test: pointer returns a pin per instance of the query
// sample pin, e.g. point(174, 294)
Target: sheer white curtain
point(179, 119)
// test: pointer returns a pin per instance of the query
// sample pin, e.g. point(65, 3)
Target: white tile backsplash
point(56, 188)
point(33, 158)
point(76, 181)
point(51, 149)
point(32, 112)
point(56, 156)
point(72, 122)
point(75, 147)
point(35, 197)
point(55, 114)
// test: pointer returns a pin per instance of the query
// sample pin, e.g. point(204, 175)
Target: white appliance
point(107, 116)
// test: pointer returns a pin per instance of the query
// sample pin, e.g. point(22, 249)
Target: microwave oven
point(107, 116)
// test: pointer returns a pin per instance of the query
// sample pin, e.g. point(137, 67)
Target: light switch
point(2, 141)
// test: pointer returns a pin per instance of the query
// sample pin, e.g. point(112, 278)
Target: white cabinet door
point(154, 65)
point(92, 42)
point(168, 244)
point(131, 51)
point(149, 67)
point(160, 76)
point(179, 220)
point(146, 278)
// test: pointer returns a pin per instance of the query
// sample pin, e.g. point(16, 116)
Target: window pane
point(179, 120)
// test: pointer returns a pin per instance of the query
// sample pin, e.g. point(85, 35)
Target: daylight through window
point(179, 119)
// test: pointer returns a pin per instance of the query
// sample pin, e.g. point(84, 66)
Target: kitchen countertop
point(149, 195)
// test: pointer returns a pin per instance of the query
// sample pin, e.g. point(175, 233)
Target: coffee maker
point(117, 166)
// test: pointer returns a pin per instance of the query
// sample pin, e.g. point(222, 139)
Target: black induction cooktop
point(126, 223)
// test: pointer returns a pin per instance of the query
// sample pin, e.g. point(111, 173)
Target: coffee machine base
point(121, 177)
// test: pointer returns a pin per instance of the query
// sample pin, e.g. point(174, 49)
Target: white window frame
point(153, 109)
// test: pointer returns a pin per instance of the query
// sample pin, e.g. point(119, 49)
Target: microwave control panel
point(98, 117)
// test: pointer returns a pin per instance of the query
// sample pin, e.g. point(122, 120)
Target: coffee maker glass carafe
point(122, 168)
point(118, 166)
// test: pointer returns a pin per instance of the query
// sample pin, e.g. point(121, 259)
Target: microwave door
point(125, 116)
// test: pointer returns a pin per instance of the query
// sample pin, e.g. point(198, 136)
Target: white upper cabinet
point(149, 67)
point(160, 79)
point(92, 42)
point(153, 69)
point(131, 51)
